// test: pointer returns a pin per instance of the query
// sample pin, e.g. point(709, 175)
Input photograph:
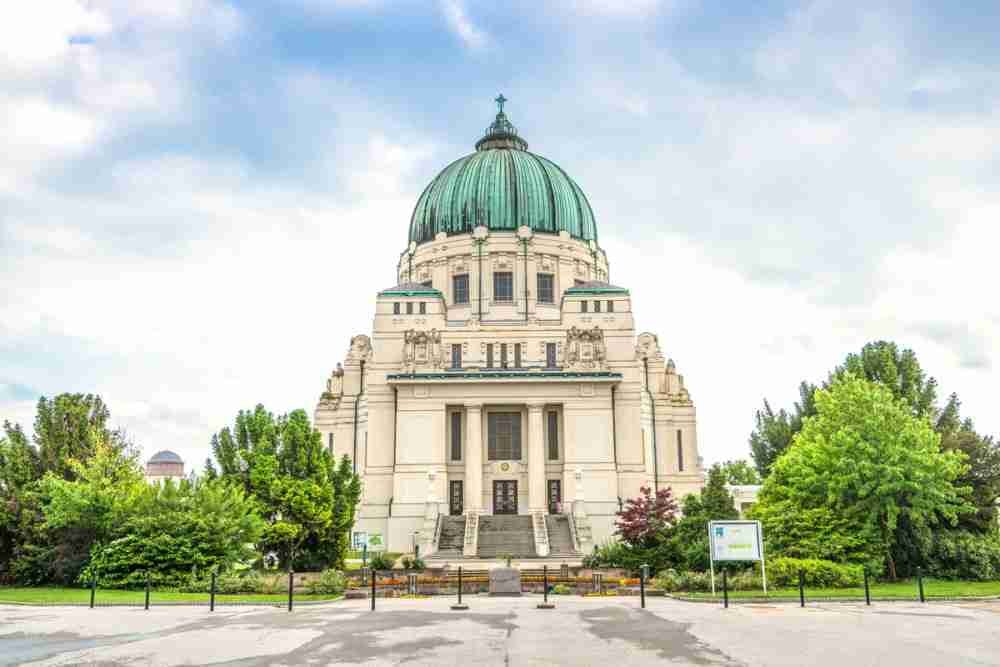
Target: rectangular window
point(503, 355)
point(504, 436)
point(517, 355)
point(429, 284)
point(611, 306)
point(503, 286)
point(409, 308)
point(456, 355)
point(597, 306)
point(553, 436)
point(680, 452)
point(489, 355)
point(423, 308)
point(395, 308)
point(456, 436)
point(546, 293)
point(550, 355)
point(583, 306)
point(330, 441)
point(460, 288)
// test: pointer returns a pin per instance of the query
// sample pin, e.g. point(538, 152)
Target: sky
point(200, 199)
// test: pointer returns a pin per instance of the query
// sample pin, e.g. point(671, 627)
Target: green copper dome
point(502, 186)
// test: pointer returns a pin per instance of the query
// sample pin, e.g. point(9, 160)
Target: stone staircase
point(506, 534)
point(452, 538)
point(560, 538)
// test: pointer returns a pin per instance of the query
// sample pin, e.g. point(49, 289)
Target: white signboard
point(371, 540)
point(735, 540)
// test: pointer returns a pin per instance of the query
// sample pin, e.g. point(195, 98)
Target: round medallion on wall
point(505, 467)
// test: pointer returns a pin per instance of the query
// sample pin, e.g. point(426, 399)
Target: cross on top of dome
point(501, 133)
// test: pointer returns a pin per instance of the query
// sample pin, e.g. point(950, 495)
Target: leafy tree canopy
point(867, 458)
point(740, 472)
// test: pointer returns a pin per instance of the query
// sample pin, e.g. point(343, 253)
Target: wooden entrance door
point(505, 496)
point(455, 497)
point(555, 496)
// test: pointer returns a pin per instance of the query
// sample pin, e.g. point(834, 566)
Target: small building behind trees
point(164, 465)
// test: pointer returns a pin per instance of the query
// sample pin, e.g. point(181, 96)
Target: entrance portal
point(455, 497)
point(505, 496)
point(555, 496)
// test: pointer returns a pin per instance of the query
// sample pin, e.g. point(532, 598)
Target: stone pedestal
point(505, 581)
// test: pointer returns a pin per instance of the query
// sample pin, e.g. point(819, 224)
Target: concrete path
point(611, 632)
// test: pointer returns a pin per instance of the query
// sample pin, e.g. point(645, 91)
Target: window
point(456, 355)
point(550, 355)
point(517, 355)
point(330, 441)
point(423, 308)
point(577, 282)
point(429, 284)
point(583, 306)
point(395, 308)
point(503, 355)
point(460, 288)
point(546, 294)
point(489, 355)
point(503, 286)
point(409, 308)
point(611, 306)
point(456, 436)
point(504, 436)
point(553, 435)
point(597, 306)
point(680, 452)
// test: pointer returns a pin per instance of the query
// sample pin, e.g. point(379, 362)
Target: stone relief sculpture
point(361, 349)
point(422, 349)
point(648, 347)
point(585, 349)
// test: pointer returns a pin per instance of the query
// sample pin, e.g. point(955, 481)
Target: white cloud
point(460, 23)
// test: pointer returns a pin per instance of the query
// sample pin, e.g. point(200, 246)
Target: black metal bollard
point(459, 584)
point(868, 595)
point(291, 584)
point(920, 584)
point(725, 591)
point(374, 574)
point(545, 590)
point(147, 592)
point(643, 573)
point(364, 556)
point(93, 590)
point(211, 594)
point(802, 588)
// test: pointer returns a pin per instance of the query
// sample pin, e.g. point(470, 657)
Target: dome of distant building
point(502, 187)
point(164, 464)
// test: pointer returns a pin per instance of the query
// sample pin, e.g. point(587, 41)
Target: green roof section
point(502, 186)
point(595, 287)
point(411, 289)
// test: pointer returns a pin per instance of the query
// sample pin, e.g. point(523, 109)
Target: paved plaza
point(508, 631)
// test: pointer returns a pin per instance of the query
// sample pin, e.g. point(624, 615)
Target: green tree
point(867, 458)
point(689, 539)
point(897, 370)
point(67, 428)
point(774, 431)
point(306, 499)
point(19, 468)
point(740, 472)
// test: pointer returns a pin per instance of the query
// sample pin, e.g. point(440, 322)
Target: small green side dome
point(502, 186)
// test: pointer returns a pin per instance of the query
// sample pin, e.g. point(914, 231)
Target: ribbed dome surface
point(502, 186)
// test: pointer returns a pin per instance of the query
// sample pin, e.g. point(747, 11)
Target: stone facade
point(504, 374)
point(605, 388)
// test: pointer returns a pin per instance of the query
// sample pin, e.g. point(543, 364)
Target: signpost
point(736, 541)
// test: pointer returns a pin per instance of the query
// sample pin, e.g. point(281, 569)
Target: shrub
point(329, 582)
point(784, 572)
point(414, 564)
point(561, 589)
point(230, 583)
point(382, 560)
point(959, 554)
point(672, 580)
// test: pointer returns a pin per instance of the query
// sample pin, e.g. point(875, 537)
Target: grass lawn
point(900, 590)
point(46, 595)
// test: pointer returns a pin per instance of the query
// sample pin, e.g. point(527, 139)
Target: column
point(536, 459)
point(474, 458)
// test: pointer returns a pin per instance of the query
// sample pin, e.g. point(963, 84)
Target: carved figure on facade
point(422, 349)
point(361, 349)
point(648, 347)
point(585, 349)
point(330, 398)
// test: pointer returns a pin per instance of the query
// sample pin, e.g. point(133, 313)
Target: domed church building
point(504, 403)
